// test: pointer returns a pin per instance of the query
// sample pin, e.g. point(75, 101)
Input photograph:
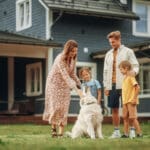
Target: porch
point(24, 64)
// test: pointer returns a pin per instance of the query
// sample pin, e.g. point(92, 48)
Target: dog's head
point(86, 97)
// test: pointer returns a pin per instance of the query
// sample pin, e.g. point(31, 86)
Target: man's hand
point(106, 92)
point(132, 73)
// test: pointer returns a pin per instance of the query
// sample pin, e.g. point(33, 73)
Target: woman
point(60, 80)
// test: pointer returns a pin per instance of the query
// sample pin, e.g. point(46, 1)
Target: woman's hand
point(78, 86)
point(79, 92)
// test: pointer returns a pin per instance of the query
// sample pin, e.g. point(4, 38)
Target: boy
point(130, 90)
point(95, 87)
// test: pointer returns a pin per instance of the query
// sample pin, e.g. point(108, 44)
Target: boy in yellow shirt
point(130, 90)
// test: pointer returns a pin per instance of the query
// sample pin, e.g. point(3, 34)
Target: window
point(23, 14)
point(34, 79)
point(142, 27)
point(91, 66)
point(144, 79)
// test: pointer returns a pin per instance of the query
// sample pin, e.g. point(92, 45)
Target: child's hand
point(133, 102)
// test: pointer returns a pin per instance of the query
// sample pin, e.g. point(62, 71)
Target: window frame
point(18, 16)
point(140, 34)
point(34, 66)
point(140, 79)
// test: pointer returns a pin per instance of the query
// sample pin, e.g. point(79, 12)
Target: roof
point(107, 8)
point(142, 51)
point(13, 38)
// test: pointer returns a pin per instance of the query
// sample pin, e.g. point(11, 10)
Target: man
point(112, 77)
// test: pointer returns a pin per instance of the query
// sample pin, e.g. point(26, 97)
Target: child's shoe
point(132, 133)
point(139, 135)
point(125, 136)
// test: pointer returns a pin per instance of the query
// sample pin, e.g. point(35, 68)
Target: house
point(88, 22)
point(24, 63)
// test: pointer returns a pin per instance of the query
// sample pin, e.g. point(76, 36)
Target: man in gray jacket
point(112, 76)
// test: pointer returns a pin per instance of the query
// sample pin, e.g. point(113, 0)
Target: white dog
point(89, 121)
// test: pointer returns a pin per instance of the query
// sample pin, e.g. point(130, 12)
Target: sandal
point(53, 132)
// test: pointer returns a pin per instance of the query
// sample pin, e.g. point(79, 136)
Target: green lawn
point(37, 137)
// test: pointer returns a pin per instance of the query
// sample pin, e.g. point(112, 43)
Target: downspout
point(48, 23)
point(59, 16)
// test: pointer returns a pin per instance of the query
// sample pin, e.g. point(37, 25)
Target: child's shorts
point(129, 110)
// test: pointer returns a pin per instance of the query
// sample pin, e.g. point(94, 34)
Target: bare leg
point(126, 126)
point(137, 126)
point(61, 130)
point(115, 117)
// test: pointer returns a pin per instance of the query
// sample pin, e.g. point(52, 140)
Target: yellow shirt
point(128, 90)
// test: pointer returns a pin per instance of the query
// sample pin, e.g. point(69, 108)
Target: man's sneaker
point(125, 136)
point(132, 133)
point(116, 134)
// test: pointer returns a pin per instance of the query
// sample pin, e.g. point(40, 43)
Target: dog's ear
point(88, 91)
point(80, 93)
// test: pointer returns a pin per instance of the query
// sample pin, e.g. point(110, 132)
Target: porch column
point(10, 82)
point(49, 61)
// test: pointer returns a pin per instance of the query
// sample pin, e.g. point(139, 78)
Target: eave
point(13, 38)
point(142, 52)
point(107, 9)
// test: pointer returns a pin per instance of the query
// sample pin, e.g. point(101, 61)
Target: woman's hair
point(69, 45)
point(84, 69)
point(114, 34)
point(125, 64)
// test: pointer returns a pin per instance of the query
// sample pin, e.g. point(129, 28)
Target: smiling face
point(73, 52)
point(86, 76)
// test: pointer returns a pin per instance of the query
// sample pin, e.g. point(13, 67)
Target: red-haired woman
point(60, 80)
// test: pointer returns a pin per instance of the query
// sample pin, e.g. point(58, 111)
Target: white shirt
point(124, 53)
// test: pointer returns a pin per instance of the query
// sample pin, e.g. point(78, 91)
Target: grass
point(37, 137)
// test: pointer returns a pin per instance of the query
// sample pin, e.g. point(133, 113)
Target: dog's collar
point(90, 103)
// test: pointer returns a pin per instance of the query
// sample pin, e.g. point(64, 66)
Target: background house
point(88, 22)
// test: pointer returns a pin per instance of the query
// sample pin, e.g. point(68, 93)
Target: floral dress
point(60, 80)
